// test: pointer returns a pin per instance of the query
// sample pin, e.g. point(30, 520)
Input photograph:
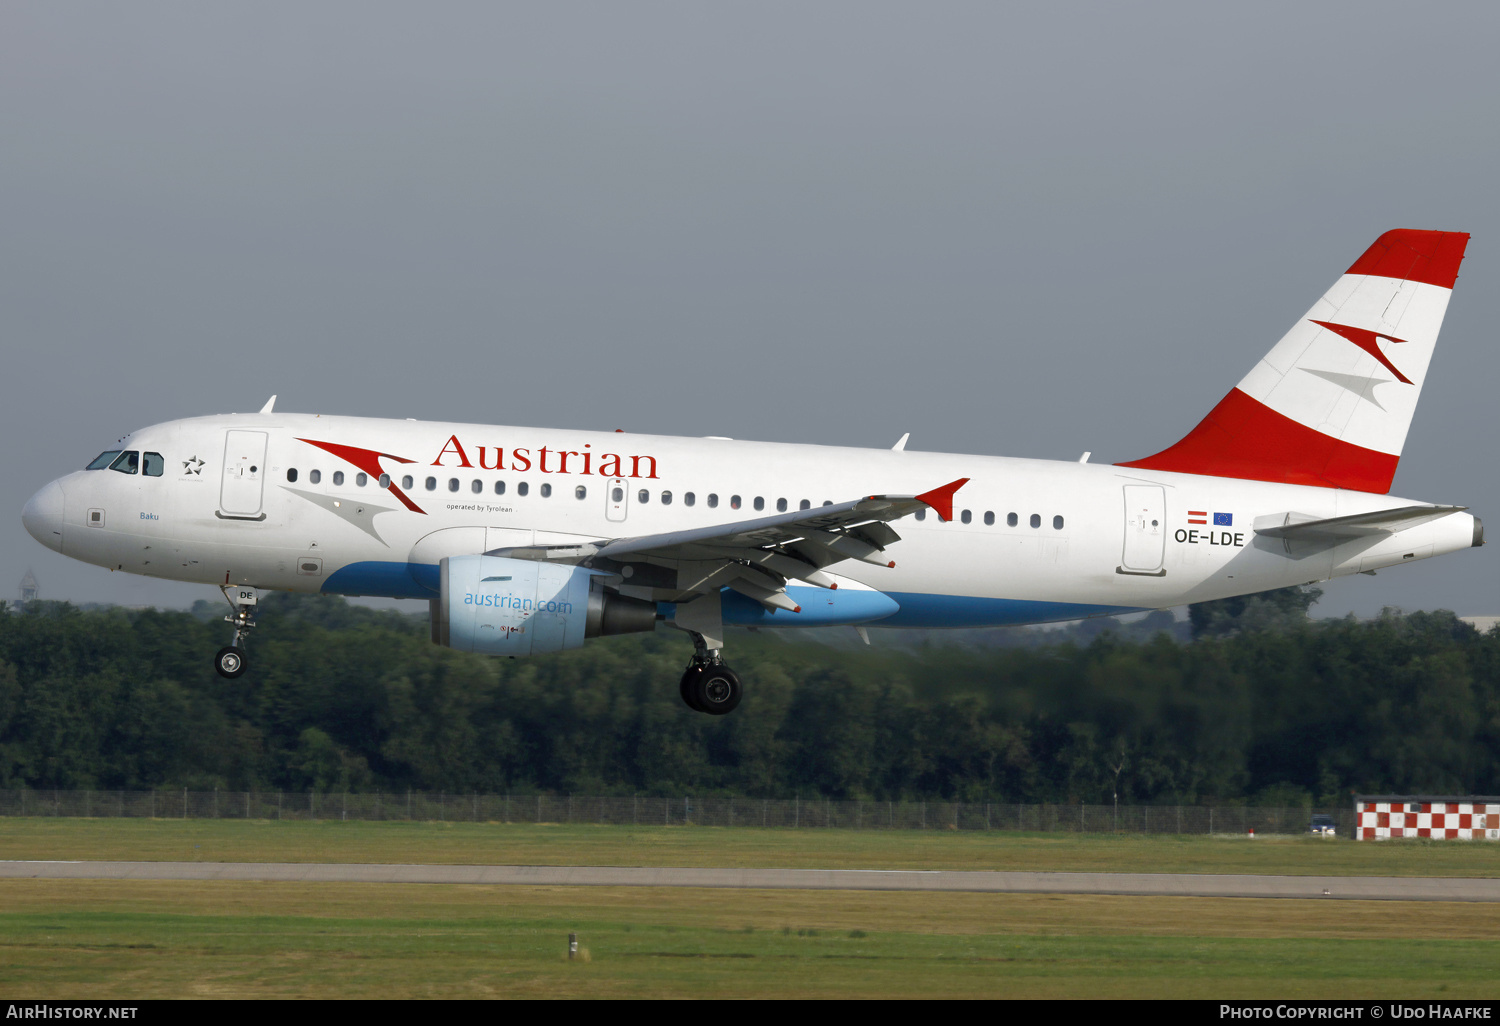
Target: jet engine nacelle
point(499, 606)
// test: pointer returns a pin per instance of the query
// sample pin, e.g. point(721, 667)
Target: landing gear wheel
point(717, 690)
point(689, 687)
point(230, 662)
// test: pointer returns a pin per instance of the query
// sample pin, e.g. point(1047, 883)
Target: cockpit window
point(103, 460)
point(127, 463)
point(154, 464)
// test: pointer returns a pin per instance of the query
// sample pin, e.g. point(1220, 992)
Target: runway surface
point(1364, 888)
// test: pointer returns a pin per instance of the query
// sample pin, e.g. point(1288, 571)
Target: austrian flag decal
point(1197, 516)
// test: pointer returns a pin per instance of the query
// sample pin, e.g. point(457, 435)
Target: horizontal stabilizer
point(1300, 527)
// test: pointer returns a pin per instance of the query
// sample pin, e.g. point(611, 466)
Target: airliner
point(527, 541)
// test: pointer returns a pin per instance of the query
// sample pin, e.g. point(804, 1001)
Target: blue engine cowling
point(516, 607)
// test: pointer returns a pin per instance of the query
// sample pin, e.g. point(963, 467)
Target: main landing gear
point(230, 661)
point(708, 686)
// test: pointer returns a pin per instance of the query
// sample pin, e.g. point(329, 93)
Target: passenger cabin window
point(476, 486)
point(734, 502)
point(1036, 520)
point(103, 460)
point(154, 464)
point(760, 503)
point(127, 463)
point(1057, 523)
point(407, 482)
point(361, 479)
point(713, 500)
point(781, 505)
point(384, 480)
point(1011, 520)
point(431, 484)
point(920, 514)
point(688, 498)
point(804, 504)
point(546, 491)
point(580, 492)
point(666, 498)
point(522, 488)
point(338, 478)
point(315, 476)
point(643, 496)
point(453, 484)
point(499, 487)
point(966, 516)
point(989, 518)
point(291, 474)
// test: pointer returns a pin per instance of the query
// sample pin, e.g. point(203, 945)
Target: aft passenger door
point(1145, 531)
point(240, 495)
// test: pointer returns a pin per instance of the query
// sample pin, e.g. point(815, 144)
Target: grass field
point(210, 840)
point(141, 939)
point(151, 939)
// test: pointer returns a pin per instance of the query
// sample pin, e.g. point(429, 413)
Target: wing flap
point(756, 557)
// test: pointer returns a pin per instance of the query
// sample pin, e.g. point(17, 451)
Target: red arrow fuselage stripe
point(367, 460)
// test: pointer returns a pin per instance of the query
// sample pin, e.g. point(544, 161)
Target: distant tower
point(29, 590)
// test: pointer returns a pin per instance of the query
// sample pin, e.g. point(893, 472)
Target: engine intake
point(499, 606)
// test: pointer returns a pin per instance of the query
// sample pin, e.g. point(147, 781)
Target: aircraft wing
point(755, 557)
point(1299, 527)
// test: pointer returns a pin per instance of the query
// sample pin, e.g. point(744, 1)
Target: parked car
point(1323, 826)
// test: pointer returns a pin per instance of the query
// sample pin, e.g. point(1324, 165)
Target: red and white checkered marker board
point(1453, 821)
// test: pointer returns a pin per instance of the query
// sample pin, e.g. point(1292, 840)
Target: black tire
point(230, 662)
point(689, 687)
point(718, 690)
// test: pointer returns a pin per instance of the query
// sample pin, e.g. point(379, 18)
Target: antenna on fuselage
point(270, 403)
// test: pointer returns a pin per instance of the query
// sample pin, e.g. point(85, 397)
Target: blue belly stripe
point(820, 607)
point(385, 579)
point(963, 611)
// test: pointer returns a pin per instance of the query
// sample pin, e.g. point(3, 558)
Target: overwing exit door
point(1145, 531)
point(616, 499)
point(244, 471)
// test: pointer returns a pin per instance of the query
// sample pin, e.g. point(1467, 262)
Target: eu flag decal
point(1223, 519)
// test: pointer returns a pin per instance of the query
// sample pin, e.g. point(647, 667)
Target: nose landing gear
point(230, 661)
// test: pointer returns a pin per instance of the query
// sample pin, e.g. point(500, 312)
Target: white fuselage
point(1030, 541)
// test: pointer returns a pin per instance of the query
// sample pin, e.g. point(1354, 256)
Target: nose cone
point(43, 516)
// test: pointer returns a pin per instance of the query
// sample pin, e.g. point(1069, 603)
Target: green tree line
point(1262, 704)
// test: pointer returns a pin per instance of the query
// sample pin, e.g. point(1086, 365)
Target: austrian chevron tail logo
point(1367, 340)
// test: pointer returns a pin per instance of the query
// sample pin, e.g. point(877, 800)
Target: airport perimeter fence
point(641, 810)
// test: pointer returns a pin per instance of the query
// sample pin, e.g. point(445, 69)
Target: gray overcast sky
point(1021, 229)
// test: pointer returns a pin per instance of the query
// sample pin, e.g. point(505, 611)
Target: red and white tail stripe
point(1331, 403)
